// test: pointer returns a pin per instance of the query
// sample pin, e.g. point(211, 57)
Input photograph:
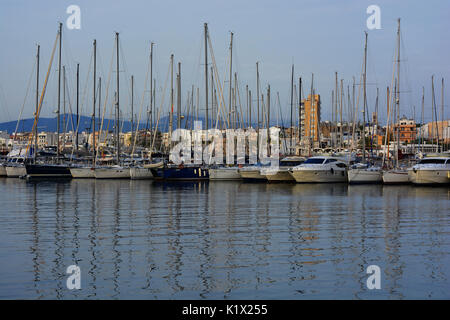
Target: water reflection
point(143, 239)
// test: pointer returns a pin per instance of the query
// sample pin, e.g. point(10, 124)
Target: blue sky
point(319, 37)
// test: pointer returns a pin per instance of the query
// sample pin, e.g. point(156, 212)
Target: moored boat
point(47, 171)
point(319, 170)
point(112, 172)
point(365, 174)
point(82, 172)
point(433, 170)
point(281, 173)
point(395, 176)
point(224, 173)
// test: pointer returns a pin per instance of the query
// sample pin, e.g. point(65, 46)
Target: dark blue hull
point(47, 171)
point(187, 173)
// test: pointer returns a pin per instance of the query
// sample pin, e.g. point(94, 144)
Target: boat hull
point(395, 177)
point(252, 175)
point(141, 173)
point(429, 176)
point(15, 171)
point(186, 173)
point(361, 176)
point(112, 173)
point(224, 174)
point(279, 176)
point(48, 171)
point(83, 173)
point(2, 171)
point(319, 176)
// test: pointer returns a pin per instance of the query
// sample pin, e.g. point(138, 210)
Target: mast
point(94, 99)
point(171, 101)
point(78, 99)
point(268, 120)
point(299, 108)
point(64, 107)
point(341, 127)
point(179, 96)
point(398, 93)
point(151, 88)
point(206, 74)
point(37, 104)
point(364, 98)
point(59, 92)
point(292, 103)
point(132, 107)
point(99, 104)
point(231, 73)
point(257, 106)
point(117, 100)
point(421, 121)
point(442, 113)
point(336, 90)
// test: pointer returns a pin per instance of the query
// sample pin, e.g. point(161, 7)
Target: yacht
point(82, 172)
point(224, 173)
point(51, 171)
point(433, 170)
point(320, 169)
point(181, 172)
point(396, 176)
point(2, 170)
point(15, 167)
point(112, 172)
point(252, 173)
point(144, 171)
point(365, 173)
point(281, 174)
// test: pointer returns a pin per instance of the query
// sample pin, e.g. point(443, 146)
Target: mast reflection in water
point(155, 240)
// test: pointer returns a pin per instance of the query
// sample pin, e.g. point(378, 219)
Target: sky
point(318, 37)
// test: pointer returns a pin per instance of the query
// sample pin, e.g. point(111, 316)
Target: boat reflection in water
point(200, 240)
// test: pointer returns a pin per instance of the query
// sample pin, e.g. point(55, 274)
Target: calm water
point(148, 240)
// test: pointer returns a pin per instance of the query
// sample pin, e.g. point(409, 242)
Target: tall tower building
point(310, 118)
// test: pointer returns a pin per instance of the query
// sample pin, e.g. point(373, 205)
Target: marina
point(254, 151)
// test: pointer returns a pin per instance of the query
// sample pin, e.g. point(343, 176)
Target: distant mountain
point(49, 124)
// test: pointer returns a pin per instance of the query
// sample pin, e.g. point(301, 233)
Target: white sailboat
point(224, 173)
point(365, 174)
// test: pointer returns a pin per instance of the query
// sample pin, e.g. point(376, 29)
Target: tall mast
point(37, 103)
point(292, 103)
point(336, 90)
point(231, 73)
point(117, 100)
point(171, 101)
point(341, 127)
point(398, 93)
point(99, 104)
point(59, 92)
point(206, 74)
point(442, 113)
point(78, 99)
point(94, 99)
point(250, 108)
point(257, 106)
point(421, 120)
point(179, 96)
point(299, 107)
point(151, 88)
point(364, 98)
point(64, 107)
point(268, 120)
point(132, 107)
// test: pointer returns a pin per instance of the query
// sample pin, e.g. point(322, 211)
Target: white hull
point(429, 176)
point(2, 171)
point(364, 176)
point(395, 177)
point(319, 176)
point(224, 174)
point(140, 173)
point(252, 174)
point(83, 173)
point(281, 175)
point(112, 173)
point(15, 172)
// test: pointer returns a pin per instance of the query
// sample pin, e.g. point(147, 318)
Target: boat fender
point(332, 171)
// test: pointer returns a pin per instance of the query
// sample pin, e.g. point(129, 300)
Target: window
point(432, 161)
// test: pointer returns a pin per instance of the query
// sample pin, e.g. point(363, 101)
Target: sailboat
point(116, 171)
point(364, 172)
point(87, 171)
point(50, 170)
point(397, 175)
